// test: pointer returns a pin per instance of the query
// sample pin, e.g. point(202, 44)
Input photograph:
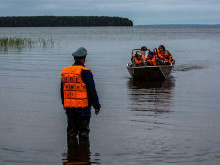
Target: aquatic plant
point(19, 43)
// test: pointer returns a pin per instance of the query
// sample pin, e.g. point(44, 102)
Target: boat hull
point(161, 72)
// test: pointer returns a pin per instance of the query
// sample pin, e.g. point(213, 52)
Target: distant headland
point(63, 21)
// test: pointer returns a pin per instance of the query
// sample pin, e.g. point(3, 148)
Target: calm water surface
point(170, 122)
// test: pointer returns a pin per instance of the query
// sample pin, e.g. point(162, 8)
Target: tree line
point(63, 21)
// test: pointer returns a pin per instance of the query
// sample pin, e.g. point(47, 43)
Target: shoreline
point(63, 21)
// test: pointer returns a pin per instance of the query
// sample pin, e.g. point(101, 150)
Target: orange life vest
point(152, 61)
point(139, 61)
point(143, 55)
point(160, 55)
point(169, 59)
point(75, 91)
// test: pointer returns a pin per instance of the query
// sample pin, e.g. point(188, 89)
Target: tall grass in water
point(19, 43)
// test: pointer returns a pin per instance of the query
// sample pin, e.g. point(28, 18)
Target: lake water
point(172, 122)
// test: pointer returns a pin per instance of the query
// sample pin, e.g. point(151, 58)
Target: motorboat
point(147, 72)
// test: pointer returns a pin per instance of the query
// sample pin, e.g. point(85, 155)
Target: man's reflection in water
point(78, 151)
point(156, 96)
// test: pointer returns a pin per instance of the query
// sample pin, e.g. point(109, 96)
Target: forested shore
point(63, 21)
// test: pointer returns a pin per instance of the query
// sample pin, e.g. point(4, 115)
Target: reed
point(19, 43)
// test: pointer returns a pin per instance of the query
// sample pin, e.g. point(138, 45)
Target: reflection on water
point(78, 152)
point(151, 96)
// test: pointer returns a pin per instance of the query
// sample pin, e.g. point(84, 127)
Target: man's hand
point(97, 111)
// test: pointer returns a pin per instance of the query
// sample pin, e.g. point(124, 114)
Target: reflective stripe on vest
point(75, 92)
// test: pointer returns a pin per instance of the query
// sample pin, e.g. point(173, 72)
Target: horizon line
point(179, 24)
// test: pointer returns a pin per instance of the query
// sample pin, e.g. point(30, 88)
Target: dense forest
point(62, 21)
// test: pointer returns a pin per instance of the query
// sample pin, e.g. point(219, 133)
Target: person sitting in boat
point(160, 52)
point(168, 58)
point(138, 59)
point(144, 52)
point(162, 58)
point(151, 59)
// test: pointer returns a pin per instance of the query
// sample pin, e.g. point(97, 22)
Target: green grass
point(19, 43)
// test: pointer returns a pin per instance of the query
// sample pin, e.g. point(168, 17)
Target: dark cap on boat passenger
point(143, 48)
point(81, 52)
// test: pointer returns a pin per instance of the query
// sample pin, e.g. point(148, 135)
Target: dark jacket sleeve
point(61, 92)
point(93, 98)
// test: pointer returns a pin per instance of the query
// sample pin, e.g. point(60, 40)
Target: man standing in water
point(78, 95)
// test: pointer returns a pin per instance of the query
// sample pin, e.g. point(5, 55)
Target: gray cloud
point(140, 11)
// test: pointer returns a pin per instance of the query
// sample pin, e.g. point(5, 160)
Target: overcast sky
point(141, 12)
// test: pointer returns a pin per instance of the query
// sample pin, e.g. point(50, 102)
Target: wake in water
point(188, 67)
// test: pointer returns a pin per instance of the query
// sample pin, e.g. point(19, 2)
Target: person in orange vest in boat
point(144, 52)
point(78, 95)
point(160, 52)
point(162, 58)
point(168, 58)
point(151, 59)
point(138, 59)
